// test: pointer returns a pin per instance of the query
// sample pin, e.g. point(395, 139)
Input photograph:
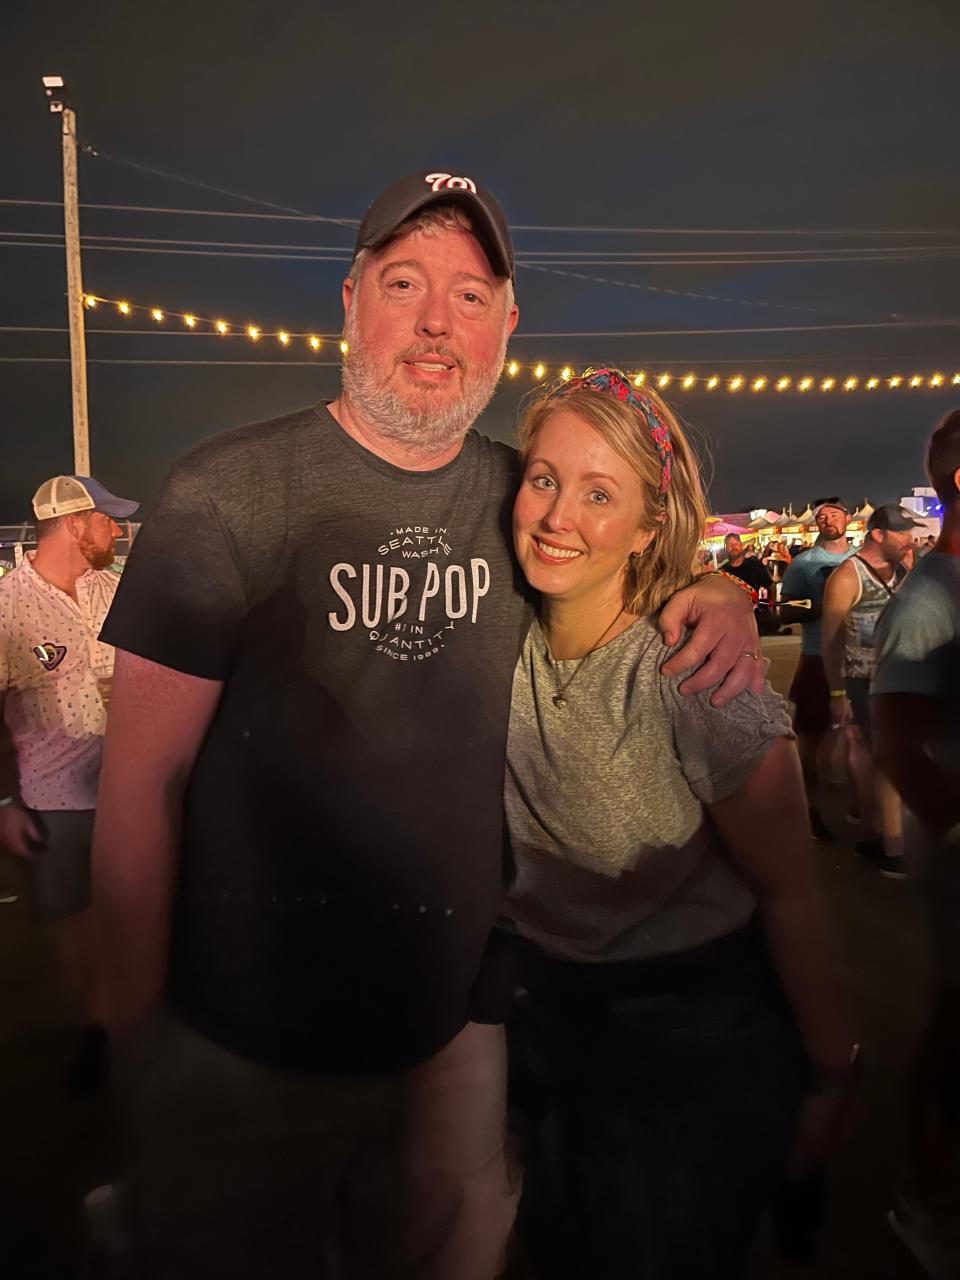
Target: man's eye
point(472, 297)
point(400, 284)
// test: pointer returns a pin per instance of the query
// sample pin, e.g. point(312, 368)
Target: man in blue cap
point(54, 687)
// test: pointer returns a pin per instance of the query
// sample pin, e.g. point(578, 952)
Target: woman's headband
point(612, 382)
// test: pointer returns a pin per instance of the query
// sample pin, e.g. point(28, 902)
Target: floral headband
point(612, 382)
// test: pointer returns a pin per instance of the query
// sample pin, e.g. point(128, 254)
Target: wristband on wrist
point(732, 577)
point(7, 800)
point(838, 693)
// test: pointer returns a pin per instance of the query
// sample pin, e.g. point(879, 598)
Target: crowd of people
point(431, 856)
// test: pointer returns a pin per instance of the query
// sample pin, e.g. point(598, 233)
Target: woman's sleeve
point(718, 749)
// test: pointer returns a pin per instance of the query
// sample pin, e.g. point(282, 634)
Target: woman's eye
point(542, 482)
point(599, 496)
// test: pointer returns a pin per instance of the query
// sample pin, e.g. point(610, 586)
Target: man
point(916, 716)
point(810, 693)
point(304, 856)
point(747, 568)
point(856, 595)
point(54, 682)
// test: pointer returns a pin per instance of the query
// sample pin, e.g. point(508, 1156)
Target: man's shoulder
point(493, 453)
point(253, 445)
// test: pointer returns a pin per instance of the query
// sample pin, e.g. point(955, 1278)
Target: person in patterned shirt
point(54, 688)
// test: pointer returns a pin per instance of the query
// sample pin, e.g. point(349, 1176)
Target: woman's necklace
point(559, 698)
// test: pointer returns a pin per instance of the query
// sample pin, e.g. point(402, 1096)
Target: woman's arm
point(764, 826)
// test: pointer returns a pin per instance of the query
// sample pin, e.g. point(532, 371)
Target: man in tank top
point(856, 594)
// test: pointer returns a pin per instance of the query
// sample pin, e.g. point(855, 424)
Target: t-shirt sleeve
point(181, 599)
point(915, 637)
point(718, 749)
point(794, 585)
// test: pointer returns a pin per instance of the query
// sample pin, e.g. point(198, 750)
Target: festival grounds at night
point(56, 1149)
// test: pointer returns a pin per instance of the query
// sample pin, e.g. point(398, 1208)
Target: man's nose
point(434, 320)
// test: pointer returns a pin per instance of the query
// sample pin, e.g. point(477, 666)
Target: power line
point(299, 216)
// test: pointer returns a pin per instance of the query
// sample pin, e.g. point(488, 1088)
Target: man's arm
point(724, 635)
point(839, 597)
point(904, 727)
point(158, 720)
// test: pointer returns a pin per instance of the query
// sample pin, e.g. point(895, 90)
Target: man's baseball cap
point(894, 518)
point(65, 495)
point(420, 190)
point(830, 502)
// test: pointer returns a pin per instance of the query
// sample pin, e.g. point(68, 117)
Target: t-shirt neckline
point(344, 441)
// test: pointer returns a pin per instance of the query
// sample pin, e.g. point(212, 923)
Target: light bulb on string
point(828, 384)
point(315, 342)
point(640, 379)
point(123, 308)
point(758, 384)
point(805, 383)
point(916, 381)
point(539, 371)
point(712, 383)
point(937, 380)
point(688, 381)
point(344, 346)
point(222, 327)
point(872, 383)
point(850, 384)
point(253, 333)
point(89, 301)
point(156, 314)
point(895, 381)
point(956, 379)
point(283, 337)
point(736, 383)
point(190, 321)
point(664, 380)
point(513, 369)
point(783, 384)
point(566, 373)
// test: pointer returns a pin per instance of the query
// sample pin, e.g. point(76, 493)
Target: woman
point(665, 1037)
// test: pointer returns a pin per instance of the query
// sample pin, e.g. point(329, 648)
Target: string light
point(344, 346)
point(539, 370)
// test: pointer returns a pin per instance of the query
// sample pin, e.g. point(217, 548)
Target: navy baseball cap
point(420, 190)
point(64, 495)
point(895, 518)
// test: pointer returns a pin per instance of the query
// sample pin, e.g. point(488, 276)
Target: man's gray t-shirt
point(342, 853)
point(616, 857)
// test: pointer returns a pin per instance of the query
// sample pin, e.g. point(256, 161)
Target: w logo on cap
point(447, 182)
point(50, 655)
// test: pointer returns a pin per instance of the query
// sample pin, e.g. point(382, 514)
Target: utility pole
point(53, 88)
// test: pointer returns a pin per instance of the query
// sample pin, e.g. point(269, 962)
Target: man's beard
point(429, 427)
point(97, 557)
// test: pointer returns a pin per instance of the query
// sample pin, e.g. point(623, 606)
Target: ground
point(56, 1149)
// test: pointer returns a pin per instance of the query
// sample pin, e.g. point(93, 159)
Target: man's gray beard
point(431, 428)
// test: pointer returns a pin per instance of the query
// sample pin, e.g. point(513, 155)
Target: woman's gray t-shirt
point(616, 856)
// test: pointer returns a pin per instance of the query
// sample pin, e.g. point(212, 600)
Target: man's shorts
point(59, 870)
point(858, 693)
point(810, 695)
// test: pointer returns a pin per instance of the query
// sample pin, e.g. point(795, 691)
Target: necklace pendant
point(559, 700)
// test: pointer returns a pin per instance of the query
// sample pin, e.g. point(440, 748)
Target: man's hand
point(18, 830)
point(841, 713)
point(724, 638)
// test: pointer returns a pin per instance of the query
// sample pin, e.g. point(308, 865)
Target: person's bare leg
point(889, 809)
point(465, 1191)
point(862, 771)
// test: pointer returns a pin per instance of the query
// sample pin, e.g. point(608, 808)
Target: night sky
point(818, 117)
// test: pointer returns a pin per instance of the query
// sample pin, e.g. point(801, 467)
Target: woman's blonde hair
point(679, 517)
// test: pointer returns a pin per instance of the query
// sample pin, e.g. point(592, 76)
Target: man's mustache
point(421, 349)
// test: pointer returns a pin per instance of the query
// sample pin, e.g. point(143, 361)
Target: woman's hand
point(724, 638)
